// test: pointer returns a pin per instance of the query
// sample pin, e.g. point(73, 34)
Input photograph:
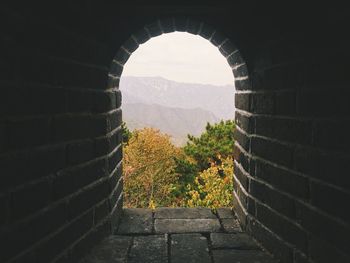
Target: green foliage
point(188, 171)
point(157, 173)
point(216, 142)
point(126, 133)
point(201, 155)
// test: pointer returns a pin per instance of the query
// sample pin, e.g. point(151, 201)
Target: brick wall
point(60, 149)
point(60, 121)
point(291, 155)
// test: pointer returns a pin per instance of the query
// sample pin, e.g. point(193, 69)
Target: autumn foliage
point(157, 173)
point(212, 187)
point(149, 169)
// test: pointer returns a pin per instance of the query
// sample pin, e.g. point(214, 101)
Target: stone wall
point(59, 142)
point(60, 121)
point(291, 153)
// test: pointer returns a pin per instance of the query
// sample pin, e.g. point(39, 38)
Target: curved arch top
point(182, 24)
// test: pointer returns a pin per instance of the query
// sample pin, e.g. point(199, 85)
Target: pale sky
point(181, 57)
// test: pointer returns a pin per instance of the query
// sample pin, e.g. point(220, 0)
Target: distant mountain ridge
point(176, 122)
point(175, 108)
point(157, 90)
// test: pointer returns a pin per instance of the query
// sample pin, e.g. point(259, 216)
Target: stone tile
point(241, 256)
point(238, 241)
point(183, 213)
point(112, 249)
point(186, 225)
point(136, 221)
point(189, 248)
point(149, 249)
point(225, 212)
point(231, 225)
point(139, 243)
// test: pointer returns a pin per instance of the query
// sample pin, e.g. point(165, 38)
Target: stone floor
point(178, 235)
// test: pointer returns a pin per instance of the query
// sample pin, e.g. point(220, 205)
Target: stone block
point(241, 256)
point(142, 36)
point(262, 103)
point(234, 56)
point(217, 39)
point(167, 25)
point(189, 248)
point(236, 241)
point(154, 29)
point(225, 212)
point(240, 70)
point(243, 84)
point(272, 151)
point(149, 249)
point(288, 231)
point(231, 225)
point(206, 31)
point(193, 26)
point(180, 23)
point(136, 220)
point(88, 198)
point(245, 122)
point(242, 101)
point(227, 48)
point(183, 213)
point(122, 56)
point(186, 225)
point(130, 45)
point(113, 249)
point(80, 152)
point(30, 199)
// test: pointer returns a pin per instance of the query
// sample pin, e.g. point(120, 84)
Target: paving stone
point(189, 248)
point(136, 221)
point(241, 256)
point(186, 225)
point(138, 243)
point(149, 249)
point(225, 212)
point(184, 213)
point(238, 241)
point(231, 225)
point(112, 250)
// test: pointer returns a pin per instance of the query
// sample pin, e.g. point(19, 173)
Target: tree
point(200, 153)
point(149, 169)
point(214, 144)
point(156, 173)
point(126, 133)
point(212, 187)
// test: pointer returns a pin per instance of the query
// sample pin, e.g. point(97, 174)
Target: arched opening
point(226, 48)
point(178, 113)
point(59, 137)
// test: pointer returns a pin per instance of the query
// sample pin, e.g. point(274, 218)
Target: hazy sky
point(182, 57)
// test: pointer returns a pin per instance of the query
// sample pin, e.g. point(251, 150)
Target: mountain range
point(175, 108)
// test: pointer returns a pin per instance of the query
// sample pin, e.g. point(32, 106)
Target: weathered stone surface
point(184, 240)
point(152, 249)
point(183, 213)
point(113, 249)
point(136, 220)
point(231, 225)
point(239, 241)
point(186, 225)
point(241, 256)
point(225, 212)
point(189, 248)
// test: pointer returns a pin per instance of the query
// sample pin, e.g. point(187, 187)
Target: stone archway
point(181, 24)
point(162, 26)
